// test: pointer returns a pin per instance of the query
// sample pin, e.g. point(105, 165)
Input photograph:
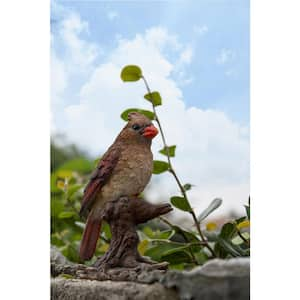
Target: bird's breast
point(131, 175)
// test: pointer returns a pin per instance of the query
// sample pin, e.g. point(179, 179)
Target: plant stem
point(188, 244)
point(172, 171)
point(159, 124)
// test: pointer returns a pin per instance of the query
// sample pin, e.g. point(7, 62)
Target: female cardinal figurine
point(124, 170)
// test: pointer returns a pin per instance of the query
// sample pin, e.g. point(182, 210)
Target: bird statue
point(124, 171)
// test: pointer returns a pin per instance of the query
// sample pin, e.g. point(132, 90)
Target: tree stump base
point(122, 261)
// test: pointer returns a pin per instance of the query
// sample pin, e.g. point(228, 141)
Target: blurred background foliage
point(160, 239)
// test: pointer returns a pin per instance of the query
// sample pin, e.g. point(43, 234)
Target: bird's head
point(139, 128)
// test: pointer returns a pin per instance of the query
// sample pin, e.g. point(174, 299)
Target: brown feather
point(90, 238)
point(98, 179)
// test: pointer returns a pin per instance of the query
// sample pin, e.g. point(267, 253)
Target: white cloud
point(112, 14)
point(200, 30)
point(80, 52)
point(72, 60)
point(69, 42)
point(225, 56)
point(186, 55)
point(182, 79)
point(160, 38)
point(58, 77)
point(212, 150)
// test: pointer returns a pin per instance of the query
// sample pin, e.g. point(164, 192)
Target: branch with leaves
point(134, 73)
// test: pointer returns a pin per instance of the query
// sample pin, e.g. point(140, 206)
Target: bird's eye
point(136, 126)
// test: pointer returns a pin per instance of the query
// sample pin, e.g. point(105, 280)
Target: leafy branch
point(172, 170)
point(134, 73)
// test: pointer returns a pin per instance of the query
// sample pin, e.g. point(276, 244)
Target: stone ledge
point(75, 289)
point(216, 280)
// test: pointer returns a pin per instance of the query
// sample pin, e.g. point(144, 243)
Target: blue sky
point(210, 27)
point(195, 53)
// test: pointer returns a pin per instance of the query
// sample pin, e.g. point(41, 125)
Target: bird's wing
point(98, 179)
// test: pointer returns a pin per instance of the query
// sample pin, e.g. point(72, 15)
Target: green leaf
point(160, 166)
point(157, 234)
point(147, 113)
point(70, 252)
point(201, 257)
point(154, 98)
point(228, 231)
point(240, 249)
point(159, 248)
point(171, 150)
point(196, 248)
point(177, 257)
point(57, 206)
point(178, 267)
point(163, 247)
point(228, 247)
point(155, 252)
point(149, 232)
point(188, 236)
point(131, 73)
point(66, 214)
point(80, 165)
point(55, 240)
point(53, 185)
point(212, 206)
point(177, 249)
point(73, 189)
point(166, 234)
point(187, 186)
point(181, 203)
point(106, 230)
point(64, 173)
point(237, 240)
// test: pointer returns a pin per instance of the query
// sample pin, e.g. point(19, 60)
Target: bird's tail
point(90, 238)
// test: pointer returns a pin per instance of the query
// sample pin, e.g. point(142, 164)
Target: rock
point(216, 280)
point(73, 289)
point(60, 264)
point(57, 257)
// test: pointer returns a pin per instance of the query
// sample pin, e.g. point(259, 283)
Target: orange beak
point(150, 132)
